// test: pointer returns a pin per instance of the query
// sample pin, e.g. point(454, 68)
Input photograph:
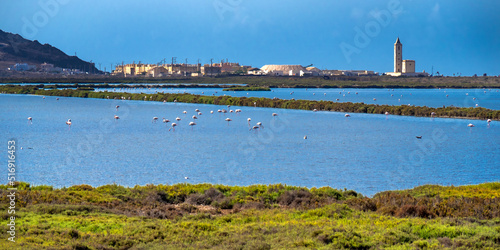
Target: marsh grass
point(186, 216)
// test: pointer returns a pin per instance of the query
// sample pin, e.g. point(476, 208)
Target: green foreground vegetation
point(205, 216)
point(445, 112)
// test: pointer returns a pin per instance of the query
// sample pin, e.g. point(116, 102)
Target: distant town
point(72, 65)
point(162, 69)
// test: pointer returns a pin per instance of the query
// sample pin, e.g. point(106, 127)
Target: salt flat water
point(486, 98)
point(367, 153)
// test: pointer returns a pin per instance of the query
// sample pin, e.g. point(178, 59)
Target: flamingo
point(249, 119)
point(196, 110)
point(177, 119)
point(274, 114)
point(155, 119)
point(30, 120)
point(386, 113)
point(433, 114)
point(231, 111)
point(43, 97)
point(347, 115)
point(165, 120)
point(199, 113)
point(254, 128)
point(219, 110)
point(211, 111)
point(69, 123)
point(117, 107)
point(305, 137)
point(470, 125)
point(185, 112)
point(194, 117)
point(57, 99)
point(117, 117)
point(260, 124)
point(489, 120)
point(419, 137)
point(173, 126)
point(314, 110)
point(374, 99)
point(255, 104)
point(228, 120)
point(192, 124)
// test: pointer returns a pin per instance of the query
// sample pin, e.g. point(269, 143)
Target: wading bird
point(173, 126)
point(274, 114)
point(228, 120)
point(260, 124)
point(194, 117)
point(165, 120)
point(117, 106)
point(155, 119)
point(470, 125)
point(177, 119)
point(30, 120)
point(117, 117)
point(192, 124)
point(249, 119)
point(347, 115)
point(68, 123)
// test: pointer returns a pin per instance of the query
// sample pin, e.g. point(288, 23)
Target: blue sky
point(451, 36)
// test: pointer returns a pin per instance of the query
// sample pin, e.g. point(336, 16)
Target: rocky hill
point(15, 49)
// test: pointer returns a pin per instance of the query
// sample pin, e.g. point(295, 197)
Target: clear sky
point(451, 36)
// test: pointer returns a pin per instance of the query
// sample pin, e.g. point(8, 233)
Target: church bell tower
point(398, 56)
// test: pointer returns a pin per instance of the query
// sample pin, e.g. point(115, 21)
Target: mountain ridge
point(16, 49)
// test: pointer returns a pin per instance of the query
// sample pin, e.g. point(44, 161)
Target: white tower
point(398, 56)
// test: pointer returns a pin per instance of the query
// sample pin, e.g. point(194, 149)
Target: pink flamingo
point(249, 119)
point(30, 120)
point(117, 107)
point(192, 124)
point(194, 117)
point(155, 119)
point(274, 115)
point(347, 115)
point(260, 124)
point(69, 123)
point(117, 117)
point(165, 120)
point(228, 120)
point(173, 126)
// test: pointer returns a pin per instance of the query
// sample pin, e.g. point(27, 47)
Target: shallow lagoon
point(487, 98)
point(367, 153)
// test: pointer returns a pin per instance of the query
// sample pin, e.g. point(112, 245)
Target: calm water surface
point(487, 98)
point(367, 153)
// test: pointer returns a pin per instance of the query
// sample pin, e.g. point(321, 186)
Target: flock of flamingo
point(223, 111)
point(258, 125)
